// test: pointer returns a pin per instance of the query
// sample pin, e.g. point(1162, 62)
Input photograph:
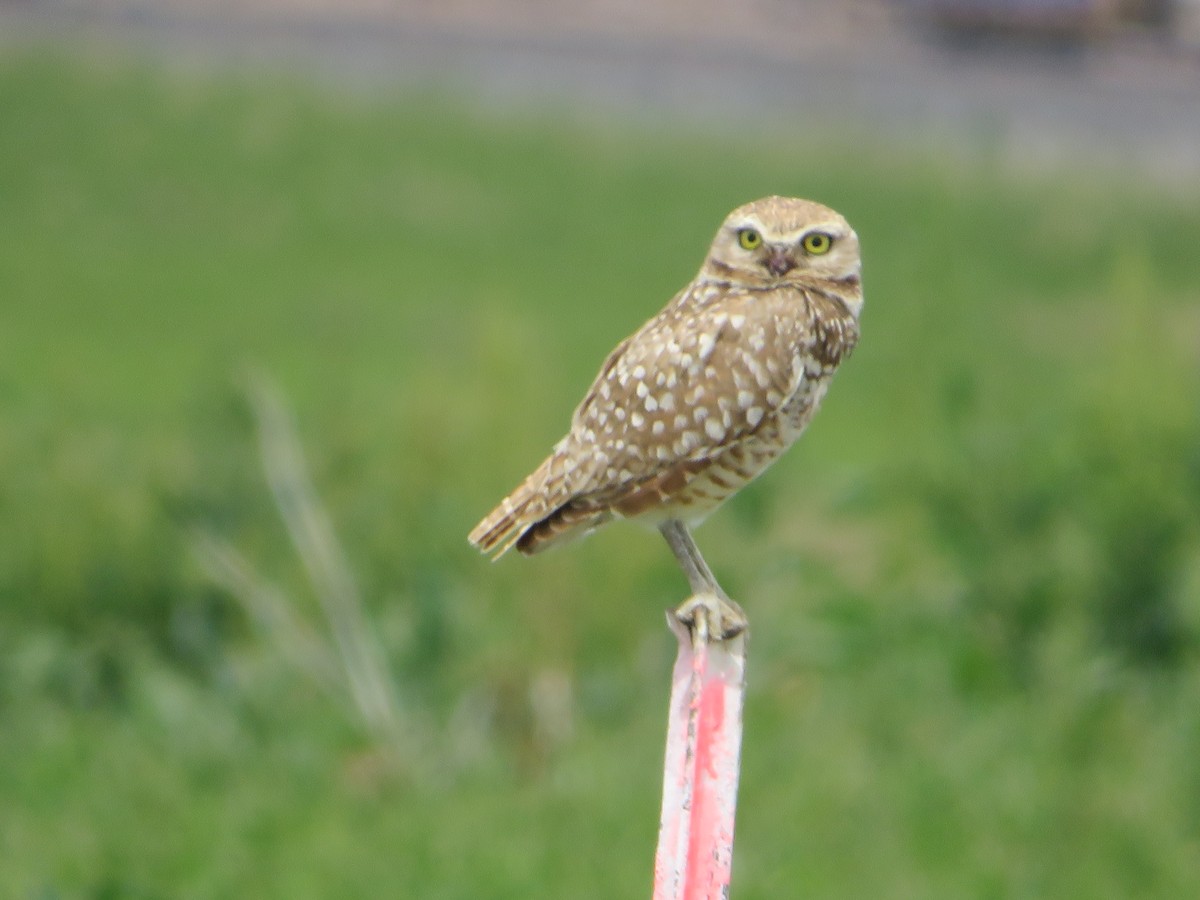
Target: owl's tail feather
point(538, 515)
point(502, 527)
point(516, 513)
point(565, 524)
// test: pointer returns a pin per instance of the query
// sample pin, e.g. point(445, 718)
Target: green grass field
point(974, 585)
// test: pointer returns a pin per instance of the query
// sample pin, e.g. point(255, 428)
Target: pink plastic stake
point(704, 738)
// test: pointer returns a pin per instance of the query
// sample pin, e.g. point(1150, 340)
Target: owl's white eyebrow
point(831, 229)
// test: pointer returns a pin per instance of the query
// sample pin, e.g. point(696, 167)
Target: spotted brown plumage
point(708, 393)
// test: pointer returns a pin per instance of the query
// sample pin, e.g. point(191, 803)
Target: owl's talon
point(710, 617)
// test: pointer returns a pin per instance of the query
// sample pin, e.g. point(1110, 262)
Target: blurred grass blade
point(271, 611)
point(324, 561)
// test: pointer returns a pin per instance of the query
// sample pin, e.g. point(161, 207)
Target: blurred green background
point(974, 585)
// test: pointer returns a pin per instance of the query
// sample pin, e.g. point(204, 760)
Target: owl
point(701, 399)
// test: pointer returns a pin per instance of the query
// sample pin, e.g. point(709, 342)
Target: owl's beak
point(779, 261)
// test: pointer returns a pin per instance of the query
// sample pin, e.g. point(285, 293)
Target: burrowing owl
point(707, 394)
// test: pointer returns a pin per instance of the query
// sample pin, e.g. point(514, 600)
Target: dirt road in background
point(1128, 103)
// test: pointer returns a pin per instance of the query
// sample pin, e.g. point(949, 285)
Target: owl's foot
point(711, 618)
point(724, 617)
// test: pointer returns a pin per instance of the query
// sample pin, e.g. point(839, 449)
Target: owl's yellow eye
point(748, 238)
point(817, 243)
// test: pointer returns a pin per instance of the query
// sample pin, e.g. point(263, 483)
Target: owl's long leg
point(699, 575)
point(701, 579)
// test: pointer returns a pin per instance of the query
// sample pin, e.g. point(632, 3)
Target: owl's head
point(777, 240)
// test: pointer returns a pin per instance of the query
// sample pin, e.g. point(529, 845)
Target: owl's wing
point(692, 383)
point(688, 384)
